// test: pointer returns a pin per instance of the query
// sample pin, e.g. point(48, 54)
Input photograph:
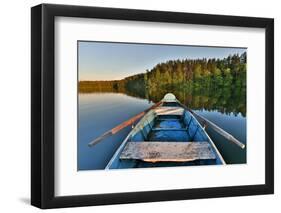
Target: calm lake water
point(99, 112)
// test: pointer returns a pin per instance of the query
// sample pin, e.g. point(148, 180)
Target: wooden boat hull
point(168, 135)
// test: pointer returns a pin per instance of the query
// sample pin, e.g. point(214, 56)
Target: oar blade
point(222, 132)
point(122, 125)
point(99, 139)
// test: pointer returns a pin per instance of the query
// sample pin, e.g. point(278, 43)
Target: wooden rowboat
point(167, 135)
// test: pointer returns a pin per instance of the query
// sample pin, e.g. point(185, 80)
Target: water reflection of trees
point(213, 84)
point(225, 100)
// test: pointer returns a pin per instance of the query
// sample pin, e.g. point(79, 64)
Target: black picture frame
point(43, 102)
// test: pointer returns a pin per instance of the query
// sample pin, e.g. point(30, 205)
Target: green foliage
point(198, 75)
point(227, 77)
point(197, 71)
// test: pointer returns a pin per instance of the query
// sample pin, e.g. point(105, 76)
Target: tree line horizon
point(186, 73)
point(211, 84)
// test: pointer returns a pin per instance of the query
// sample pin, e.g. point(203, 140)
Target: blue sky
point(114, 61)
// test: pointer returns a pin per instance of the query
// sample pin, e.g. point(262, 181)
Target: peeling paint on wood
point(167, 151)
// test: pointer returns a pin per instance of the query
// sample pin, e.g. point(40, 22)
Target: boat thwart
point(158, 151)
point(167, 135)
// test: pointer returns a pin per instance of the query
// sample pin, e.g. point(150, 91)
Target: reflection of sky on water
point(99, 112)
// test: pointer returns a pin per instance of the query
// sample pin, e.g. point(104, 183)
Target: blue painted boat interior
point(168, 128)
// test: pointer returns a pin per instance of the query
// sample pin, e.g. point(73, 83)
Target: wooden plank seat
point(169, 111)
point(167, 151)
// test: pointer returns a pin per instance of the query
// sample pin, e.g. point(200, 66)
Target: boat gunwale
point(122, 145)
point(210, 140)
point(124, 142)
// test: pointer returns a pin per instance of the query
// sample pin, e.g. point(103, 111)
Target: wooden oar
point(225, 134)
point(122, 125)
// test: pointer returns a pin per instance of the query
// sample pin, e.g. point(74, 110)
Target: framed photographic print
point(139, 106)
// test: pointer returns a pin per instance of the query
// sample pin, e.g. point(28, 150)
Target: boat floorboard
point(168, 123)
point(167, 151)
point(169, 135)
point(168, 130)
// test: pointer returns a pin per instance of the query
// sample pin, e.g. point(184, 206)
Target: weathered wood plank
point(169, 110)
point(167, 151)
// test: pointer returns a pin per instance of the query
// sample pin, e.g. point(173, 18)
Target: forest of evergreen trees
point(202, 83)
point(192, 74)
point(200, 73)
